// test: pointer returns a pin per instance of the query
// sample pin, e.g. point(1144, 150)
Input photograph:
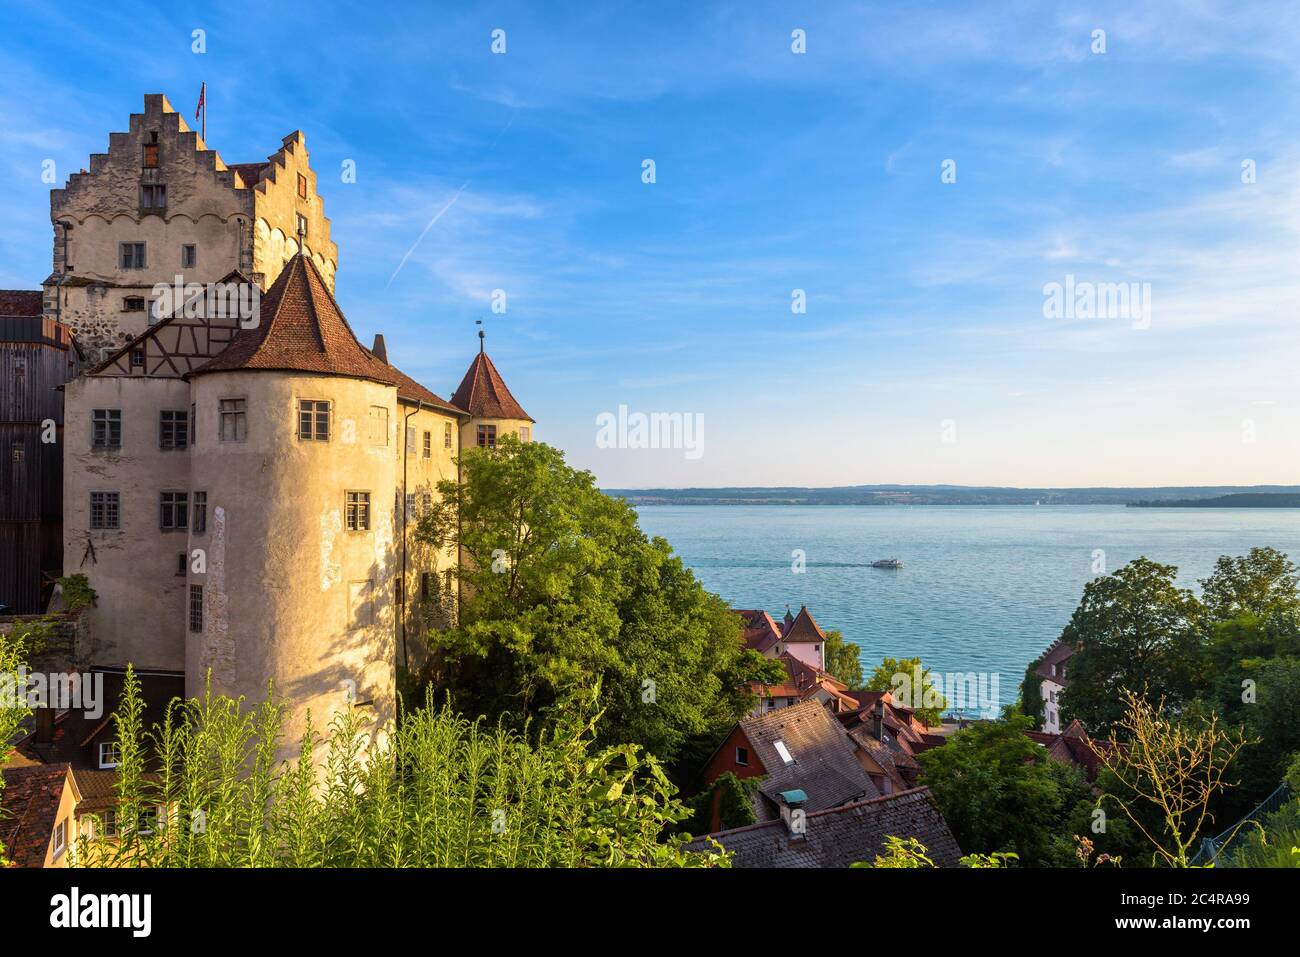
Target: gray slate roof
point(824, 763)
point(844, 835)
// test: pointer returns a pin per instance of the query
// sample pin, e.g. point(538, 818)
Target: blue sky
point(775, 172)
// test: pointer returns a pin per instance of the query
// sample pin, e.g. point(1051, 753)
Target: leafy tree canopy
point(999, 793)
point(562, 587)
point(898, 676)
point(842, 659)
point(1136, 630)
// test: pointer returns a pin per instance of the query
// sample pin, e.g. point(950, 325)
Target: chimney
point(878, 720)
point(379, 348)
point(796, 822)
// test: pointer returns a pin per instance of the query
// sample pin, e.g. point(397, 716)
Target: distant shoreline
point(876, 496)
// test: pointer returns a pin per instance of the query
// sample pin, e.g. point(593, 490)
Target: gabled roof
point(300, 329)
point(483, 393)
point(803, 628)
point(31, 799)
point(760, 631)
point(841, 836)
point(1057, 653)
point(824, 764)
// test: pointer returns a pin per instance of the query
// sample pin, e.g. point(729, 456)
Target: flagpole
point(204, 95)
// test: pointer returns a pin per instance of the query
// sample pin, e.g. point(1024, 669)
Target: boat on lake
point(887, 563)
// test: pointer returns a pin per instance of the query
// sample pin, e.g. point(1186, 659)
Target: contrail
point(437, 216)
point(449, 205)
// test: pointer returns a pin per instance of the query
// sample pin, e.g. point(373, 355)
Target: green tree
point(1264, 583)
point(843, 659)
point(564, 588)
point(999, 793)
point(1136, 630)
point(898, 676)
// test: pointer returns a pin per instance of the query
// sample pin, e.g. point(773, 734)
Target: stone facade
point(183, 212)
point(223, 540)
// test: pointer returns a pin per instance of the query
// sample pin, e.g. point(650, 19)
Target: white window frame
point(111, 747)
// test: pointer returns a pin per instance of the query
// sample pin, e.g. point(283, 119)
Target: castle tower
point(161, 204)
point(493, 411)
point(298, 453)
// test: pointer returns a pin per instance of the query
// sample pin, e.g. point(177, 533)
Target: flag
point(203, 89)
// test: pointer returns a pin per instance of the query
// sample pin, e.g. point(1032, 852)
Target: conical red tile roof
point(803, 628)
point(483, 393)
point(301, 329)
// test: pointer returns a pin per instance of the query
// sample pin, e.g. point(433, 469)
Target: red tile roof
point(803, 628)
point(301, 329)
point(483, 393)
point(31, 800)
point(760, 631)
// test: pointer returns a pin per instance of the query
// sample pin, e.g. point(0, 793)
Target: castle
point(242, 490)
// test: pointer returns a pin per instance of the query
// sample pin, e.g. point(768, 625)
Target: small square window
point(487, 436)
point(357, 511)
point(137, 358)
point(189, 256)
point(233, 416)
point(174, 511)
point(173, 429)
point(105, 510)
point(133, 304)
point(110, 755)
point(106, 429)
point(131, 255)
point(314, 420)
point(153, 196)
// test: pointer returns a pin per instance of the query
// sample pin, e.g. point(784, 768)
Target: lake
point(982, 589)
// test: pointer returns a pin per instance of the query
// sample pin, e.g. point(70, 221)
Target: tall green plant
point(436, 791)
